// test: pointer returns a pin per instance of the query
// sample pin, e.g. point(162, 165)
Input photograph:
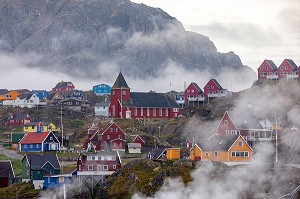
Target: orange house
point(230, 148)
point(11, 95)
point(173, 153)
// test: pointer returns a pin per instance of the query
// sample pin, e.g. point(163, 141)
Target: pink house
point(267, 70)
point(288, 69)
point(213, 89)
point(193, 93)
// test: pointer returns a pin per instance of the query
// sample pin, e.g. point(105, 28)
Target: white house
point(102, 108)
point(134, 147)
point(266, 124)
point(25, 100)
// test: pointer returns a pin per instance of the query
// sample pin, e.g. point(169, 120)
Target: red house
point(288, 69)
point(63, 87)
point(193, 93)
point(111, 137)
point(214, 89)
point(246, 125)
point(18, 119)
point(127, 104)
point(267, 70)
point(138, 139)
point(100, 163)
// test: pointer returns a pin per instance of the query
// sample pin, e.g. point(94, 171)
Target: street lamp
point(159, 131)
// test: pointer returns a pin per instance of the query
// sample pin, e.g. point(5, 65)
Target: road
point(10, 153)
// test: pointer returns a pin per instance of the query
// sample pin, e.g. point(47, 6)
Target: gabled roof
point(217, 83)
point(26, 96)
point(272, 64)
point(101, 131)
point(218, 142)
point(245, 121)
point(292, 64)
point(157, 153)
point(34, 138)
point(104, 153)
point(62, 84)
point(103, 104)
point(137, 137)
point(39, 160)
point(120, 82)
point(69, 94)
point(3, 91)
point(197, 87)
point(16, 137)
point(6, 170)
point(151, 100)
point(19, 116)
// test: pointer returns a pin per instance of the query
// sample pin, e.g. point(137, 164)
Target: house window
point(120, 136)
point(233, 154)
point(225, 122)
point(188, 91)
point(108, 137)
point(240, 143)
point(148, 112)
point(142, 112)
point(135, 111)
point(111, 129)
point(48, 179)
point(93, 158)
point(99, 167)
point(25, 146)
point(61, 179)
point(167, 112)
point(175, 110)
point(216, 153)
point(27, 172)
point(37, 146)
point(193, 91)
point(246, 154)
point(232, 132)
point(79, 167)
point(114, 166)
point(154, 111)
point(51, 138)
point(160, 112)
point(89, 158)
point(113, 92)
point(31, 146)
point(207, 86)
point(227, 132)
point(121, 145)
point(90, 167)
point(105, 167)
point(117, 130)
point(124, 92)
point(206, 154)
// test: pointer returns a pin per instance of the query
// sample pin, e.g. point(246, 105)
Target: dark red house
point(246, 125)
point(111, 137)
point(193, 93)
point(63, 87)
point(127, 104)
point(100, 163)
point(267, 70)
point(213, 89)
point(6, 173)
point(18, 119)
point(138, 139)
point(288, 69)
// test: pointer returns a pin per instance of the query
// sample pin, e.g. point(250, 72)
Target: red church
point(127, 104)
point(111, 137)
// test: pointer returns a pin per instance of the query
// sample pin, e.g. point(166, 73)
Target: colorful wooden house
point(6, 173)
point(138, 139)
point(39, 141)
point(157, 154)
point(36, 166)
point(73, 94)
point(246, 125)
point(54, 97)
point(111, 137)
point(193, 94)
point(11, 95)
point(226, 149)
point(100, 163)
point(74, 104)
point(23, 91)
point(102, 108)
point(173, 154)
point(56, 181)
point(15, 138)
point(18, 119)
point(267, 70)
point(213, 89)
point(102, 89)
point(63, 87)
point(288, 69)
point(33, 127)
point(127, 104)
point(41, 94)
point(179, 98)
point(25, 100)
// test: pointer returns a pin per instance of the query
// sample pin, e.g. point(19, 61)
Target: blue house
point(74, 94)
point(102, 89)
point(39, 141)
point(41, 94)
point(56, 181)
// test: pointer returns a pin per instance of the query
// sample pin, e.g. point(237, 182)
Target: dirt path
point(10, 153)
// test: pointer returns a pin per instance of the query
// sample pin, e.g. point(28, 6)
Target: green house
point(35, 166)
point(15, 139)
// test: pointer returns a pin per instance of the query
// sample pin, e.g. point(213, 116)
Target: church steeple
point(120, 82)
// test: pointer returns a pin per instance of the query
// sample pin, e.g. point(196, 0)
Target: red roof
point(34, 138)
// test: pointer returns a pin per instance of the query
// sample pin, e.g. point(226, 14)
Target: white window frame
point(114, 166)
point(225, 122)
point(90, 167)
point(227, 132)
point(105, 167)
point(240, 143)
point(154, 111)
point(216, 153)
point(160, 112)
point(99, 166)
point(142, 112)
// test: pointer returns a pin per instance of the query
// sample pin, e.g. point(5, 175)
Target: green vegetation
point(76, 123)
point(16, 163)
point(19, 190)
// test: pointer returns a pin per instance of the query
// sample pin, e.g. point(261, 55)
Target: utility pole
point(276, 141)
point(62, 129)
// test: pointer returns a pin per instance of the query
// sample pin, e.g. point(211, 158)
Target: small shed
point(6, 173)
point(134, 148)
point(173, 153)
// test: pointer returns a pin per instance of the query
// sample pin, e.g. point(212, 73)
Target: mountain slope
point(85, 37)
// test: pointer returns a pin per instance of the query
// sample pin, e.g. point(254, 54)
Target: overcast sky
point(254, 29)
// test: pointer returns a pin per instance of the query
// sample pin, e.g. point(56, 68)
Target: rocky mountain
point(85, 38)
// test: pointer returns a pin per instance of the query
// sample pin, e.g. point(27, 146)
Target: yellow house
point(11, 95)
point(229, 148)
point(173, 153)
point(47, 126)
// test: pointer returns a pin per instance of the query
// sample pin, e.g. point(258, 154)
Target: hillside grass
point(19, 190)
point(16, 164)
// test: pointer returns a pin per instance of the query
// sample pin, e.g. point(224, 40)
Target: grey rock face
point(76, 36)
